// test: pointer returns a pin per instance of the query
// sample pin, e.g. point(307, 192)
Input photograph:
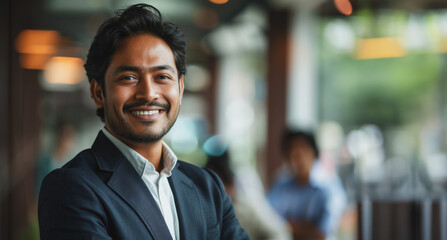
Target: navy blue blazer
point(99, 195)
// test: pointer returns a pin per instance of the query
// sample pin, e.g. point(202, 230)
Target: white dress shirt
point(157, 183)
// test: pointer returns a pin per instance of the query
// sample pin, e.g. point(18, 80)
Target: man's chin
point(145, 137)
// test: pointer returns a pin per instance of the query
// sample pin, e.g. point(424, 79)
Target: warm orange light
point(379, 48)
point(64, 70)
point(33, 61)
point(219, 1)
point(37, 42)
point(343, 6)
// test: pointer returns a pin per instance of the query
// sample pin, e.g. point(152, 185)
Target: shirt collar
point(139, 162)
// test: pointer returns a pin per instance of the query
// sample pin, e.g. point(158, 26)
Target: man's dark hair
point(291, 135)
point(136, 19)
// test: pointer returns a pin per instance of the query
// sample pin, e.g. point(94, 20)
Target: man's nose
point(147, 89)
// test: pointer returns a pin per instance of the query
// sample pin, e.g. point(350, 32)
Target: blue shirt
point(300, 202)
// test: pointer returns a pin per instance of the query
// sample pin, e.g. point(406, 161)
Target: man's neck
point(150, 151)
point(302, 179)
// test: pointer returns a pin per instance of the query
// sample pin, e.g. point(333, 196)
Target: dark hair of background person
point(290, 135)
point(221, 166)
point(136, 19)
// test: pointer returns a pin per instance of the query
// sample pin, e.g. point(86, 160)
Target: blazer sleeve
point(69, 209)
point(231, 228)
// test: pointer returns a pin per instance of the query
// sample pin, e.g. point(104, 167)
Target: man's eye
point(164, 77)
point(128, 78)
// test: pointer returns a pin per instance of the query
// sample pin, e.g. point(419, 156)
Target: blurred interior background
point(371, 84)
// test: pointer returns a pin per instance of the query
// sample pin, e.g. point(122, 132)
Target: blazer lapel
point(189, 211)
point(129, 186)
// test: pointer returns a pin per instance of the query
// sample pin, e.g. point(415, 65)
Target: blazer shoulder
point(79, 171)
point(70, 205)
point(82, 159)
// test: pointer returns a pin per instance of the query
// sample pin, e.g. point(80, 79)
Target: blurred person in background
point(261, 223)
point(130, 185)
point(301, 202)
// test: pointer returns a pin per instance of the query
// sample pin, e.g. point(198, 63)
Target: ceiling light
point(37, 42)
point(379, 48)
point(219, 1)
point(343, 6)
point(64, 70)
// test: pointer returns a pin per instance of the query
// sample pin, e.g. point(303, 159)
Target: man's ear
point(181, 87)
point(96, 93)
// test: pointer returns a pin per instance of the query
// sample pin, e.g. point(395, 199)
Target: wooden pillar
point(211, 95)
point(5, 45)
point(277, 77)
point(19, 124)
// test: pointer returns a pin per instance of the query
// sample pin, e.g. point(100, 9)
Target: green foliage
point(380, 91)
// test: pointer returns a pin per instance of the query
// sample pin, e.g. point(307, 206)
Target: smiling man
point(130, 185)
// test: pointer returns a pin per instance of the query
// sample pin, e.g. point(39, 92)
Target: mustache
point(128, 106)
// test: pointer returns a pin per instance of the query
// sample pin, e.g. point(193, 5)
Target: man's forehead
point(145, 39)
point(143, 52)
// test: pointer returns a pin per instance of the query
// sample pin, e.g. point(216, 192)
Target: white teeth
point(142, 113)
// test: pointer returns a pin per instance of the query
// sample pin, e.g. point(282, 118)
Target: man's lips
point(145, 112)
point(145, 108)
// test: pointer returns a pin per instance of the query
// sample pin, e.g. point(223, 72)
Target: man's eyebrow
point(125, 68)
point(162, 67)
